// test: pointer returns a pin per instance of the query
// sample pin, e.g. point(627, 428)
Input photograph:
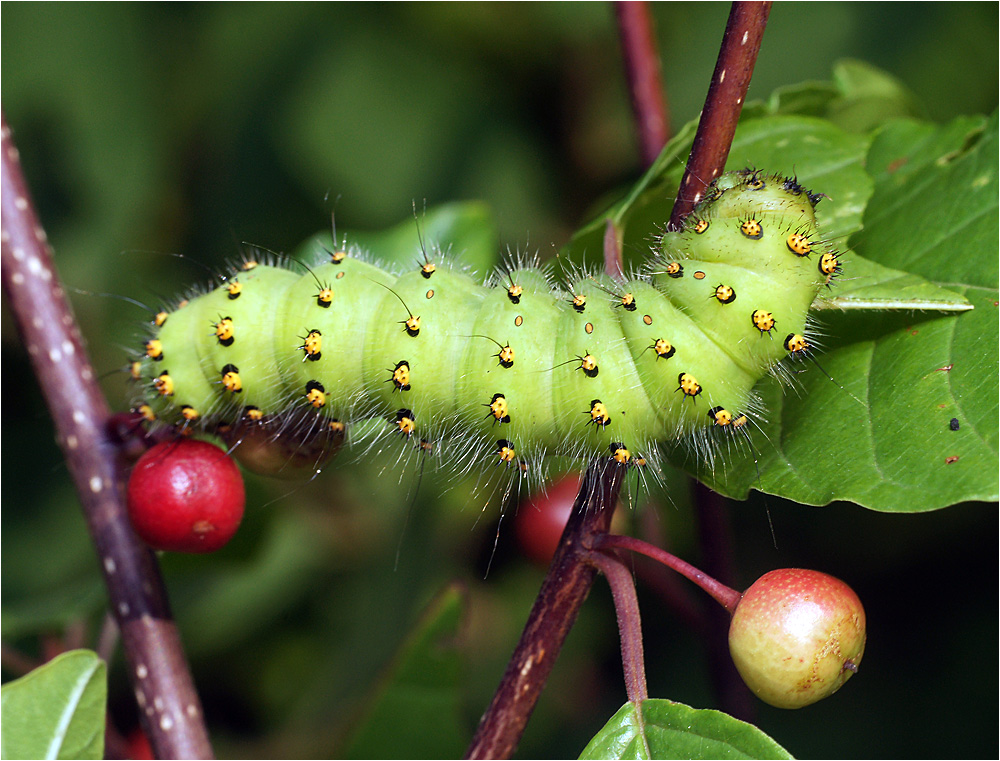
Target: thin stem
point(727, 597)
point(563, 591)
point(642, 72)
point(629, 623)
point(160, 677)
point(737, 57)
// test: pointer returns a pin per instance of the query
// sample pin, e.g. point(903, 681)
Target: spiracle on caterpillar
point(508, 372)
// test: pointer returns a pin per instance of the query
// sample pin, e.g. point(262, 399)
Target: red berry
point(186, 496)
point(540, 521)
point(139, 747)
point(797, 636)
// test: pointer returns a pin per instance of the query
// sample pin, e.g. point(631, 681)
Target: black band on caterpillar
point(565, 372)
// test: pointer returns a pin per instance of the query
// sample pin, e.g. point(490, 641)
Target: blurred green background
point(148, 130)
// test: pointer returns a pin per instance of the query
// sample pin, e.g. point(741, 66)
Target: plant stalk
point(169, 706)
point(563, 591)
point(723, 105)
point(727, 597)
point(629, 622)
point(642, 72)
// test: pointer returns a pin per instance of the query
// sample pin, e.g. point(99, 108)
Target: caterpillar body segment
point(357, 289)
point(766, 275)
point(516, 369)
point(446, 316)
point(679, 412)
point(513, 352)
point(195, 354)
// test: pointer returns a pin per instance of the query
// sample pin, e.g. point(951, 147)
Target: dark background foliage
point(148, 130)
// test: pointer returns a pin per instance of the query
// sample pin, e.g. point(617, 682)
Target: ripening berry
point(796, 636)
point(540, 521)
point(186, 496)
point(542, 518)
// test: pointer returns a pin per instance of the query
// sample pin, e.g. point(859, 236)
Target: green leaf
point(664, 729)
point(885, 440)
point(935, 210)
point(56, 711)
point(803, 99)
point(869, 97)
point(415, 712)
point(860, 98)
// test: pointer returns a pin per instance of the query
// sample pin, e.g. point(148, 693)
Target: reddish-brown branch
point(737, 57)
point(164, 689)
point(563, 591)
point(642, 72)
point(728, 598)
point(629, 622)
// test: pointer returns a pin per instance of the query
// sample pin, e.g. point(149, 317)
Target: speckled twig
point(168, 703)
point(723, 105)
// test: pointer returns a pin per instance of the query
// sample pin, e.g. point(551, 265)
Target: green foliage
point(57, 710)
point(468, 228)
point(662, 729)
point(415, 711)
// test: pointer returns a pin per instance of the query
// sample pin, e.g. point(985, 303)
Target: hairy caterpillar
point(514, 370)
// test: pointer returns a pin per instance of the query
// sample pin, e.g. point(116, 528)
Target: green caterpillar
point(511, 371)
